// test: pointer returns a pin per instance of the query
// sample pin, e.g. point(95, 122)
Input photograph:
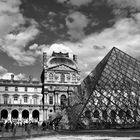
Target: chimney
point(75, 58)
point(44, 58)
point(30, 78)
point(12, 77)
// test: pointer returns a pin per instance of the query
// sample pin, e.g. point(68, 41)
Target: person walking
point(12, 125)
point(14, 130)
point(29, 129)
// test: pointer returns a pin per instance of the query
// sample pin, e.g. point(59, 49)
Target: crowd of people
point(26, 126)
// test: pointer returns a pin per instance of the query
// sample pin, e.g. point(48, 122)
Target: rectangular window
point(6, 88)
point(5, 100)
point(25, 99)
point(15, 98)
point(16, 88)
point(35, 100)
point(50, 100)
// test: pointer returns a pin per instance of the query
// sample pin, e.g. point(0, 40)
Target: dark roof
point(19, 82)
point(55, 61)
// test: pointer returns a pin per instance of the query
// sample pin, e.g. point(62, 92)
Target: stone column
point(9, 115)
point(45, 98)
point(45, 115)
point(54, 97)
point(57, 98)
point(30, 115)
point(20, 115)
point(41, 117)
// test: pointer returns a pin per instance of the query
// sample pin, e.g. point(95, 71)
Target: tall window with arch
point(35, 100)
point(63, 99)
point(51, 77)
point(25, 99)
point(50, 99)
point(62, 78)
point(73, 77)
point(5, 99)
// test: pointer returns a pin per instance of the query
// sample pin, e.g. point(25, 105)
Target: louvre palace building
point(28, 100)
point(109, 97)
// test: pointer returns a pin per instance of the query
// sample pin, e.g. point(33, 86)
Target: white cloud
point(121, 8)
point(56, 47)
point(125, 35)
point(14, 45)
point(19, 76)
point(59, 48)
point(76, 2)
point(4, 74)
point(126, 3)
point(38, 50)
point(3, 70)
point(76, 22)
point(14, 37)
point(10, 16)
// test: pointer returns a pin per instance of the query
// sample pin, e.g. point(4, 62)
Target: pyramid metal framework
point(109, 97)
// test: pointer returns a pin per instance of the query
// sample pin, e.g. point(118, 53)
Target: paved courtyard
point(84, 138)
point(20, 132)
point(68, 135)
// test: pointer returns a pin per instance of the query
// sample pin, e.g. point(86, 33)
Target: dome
point(59, 48)
point(55, 61)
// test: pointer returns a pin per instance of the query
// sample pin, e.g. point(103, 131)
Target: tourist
point(43, 125)
point(14, 130)
point(13, 125)
point(28, 128)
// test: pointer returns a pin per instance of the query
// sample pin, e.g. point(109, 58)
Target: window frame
point(25, 99)
point(51, 99)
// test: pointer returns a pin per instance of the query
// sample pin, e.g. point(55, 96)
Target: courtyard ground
point(73, 135)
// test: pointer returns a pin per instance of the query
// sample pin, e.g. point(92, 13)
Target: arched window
point(73, 77)
point(63, 99)
point(51, 77)
point(35, 114)
point(14, 114)
point(25, 114)
point(4, 113)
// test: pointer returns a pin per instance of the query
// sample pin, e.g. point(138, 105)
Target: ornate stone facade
point(20, 100)
point(61, 75)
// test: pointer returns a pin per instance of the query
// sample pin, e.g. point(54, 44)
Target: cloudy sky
point(90, 28)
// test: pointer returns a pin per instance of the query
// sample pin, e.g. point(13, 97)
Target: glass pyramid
point(109, 97)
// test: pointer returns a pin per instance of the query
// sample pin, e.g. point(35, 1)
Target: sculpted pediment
point(62, 67)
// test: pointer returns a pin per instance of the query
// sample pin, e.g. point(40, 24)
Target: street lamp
point(69, 96)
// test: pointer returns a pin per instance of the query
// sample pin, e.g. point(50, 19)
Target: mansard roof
point(55, 61)
point(19, 82)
